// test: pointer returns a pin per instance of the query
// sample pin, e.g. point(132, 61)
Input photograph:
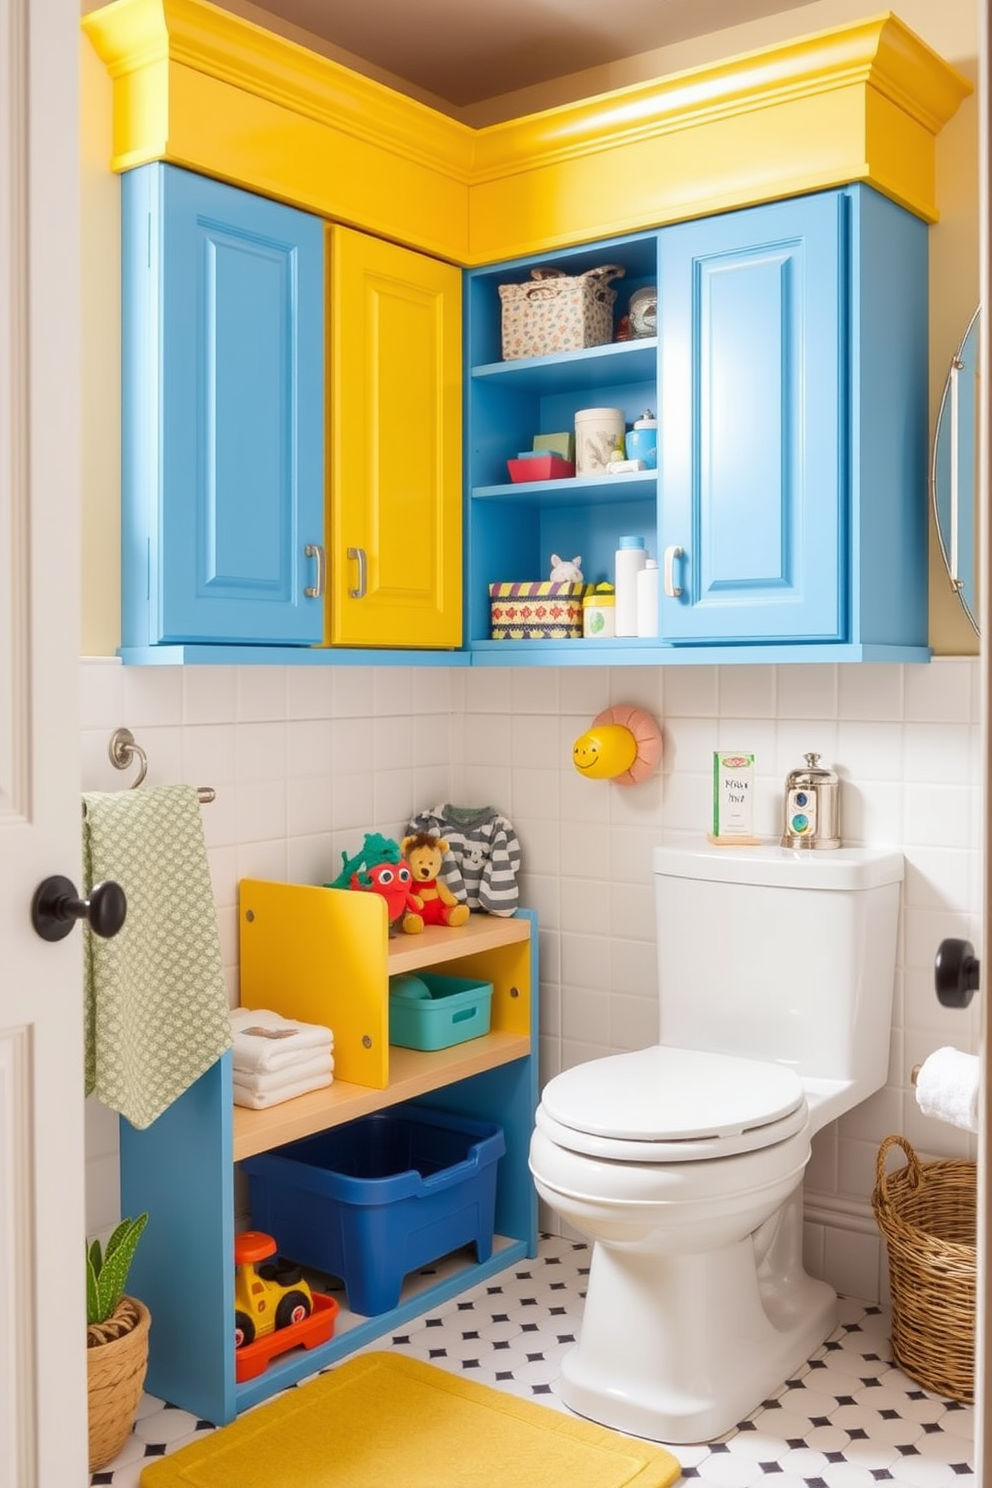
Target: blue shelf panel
point(653, 653)
point(286, 656)
point(617, 362)
point(576, 490)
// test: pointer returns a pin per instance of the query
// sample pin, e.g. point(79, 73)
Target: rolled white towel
point(262, 1082)
point(947, 1088)
point(258, 1100)
point(264, 1040)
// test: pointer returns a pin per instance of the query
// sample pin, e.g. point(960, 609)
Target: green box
point(457, 1010)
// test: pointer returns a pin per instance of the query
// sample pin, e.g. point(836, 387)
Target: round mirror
point(953, 474)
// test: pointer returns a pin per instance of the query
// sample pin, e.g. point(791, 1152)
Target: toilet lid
point(671, 1105)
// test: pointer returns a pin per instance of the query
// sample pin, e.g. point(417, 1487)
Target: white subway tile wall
point(306, 760)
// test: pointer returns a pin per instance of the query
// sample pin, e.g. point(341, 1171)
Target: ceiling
point(463, 52)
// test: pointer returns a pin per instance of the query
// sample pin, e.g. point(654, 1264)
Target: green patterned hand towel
point(156, 1013)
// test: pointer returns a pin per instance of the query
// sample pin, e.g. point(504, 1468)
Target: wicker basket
point(927, 1215)
point(116, 1375)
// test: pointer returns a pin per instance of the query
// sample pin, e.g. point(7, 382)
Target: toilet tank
point(782, 955)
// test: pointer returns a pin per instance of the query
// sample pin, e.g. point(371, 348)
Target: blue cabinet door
point(753, 492)
point(222, 397)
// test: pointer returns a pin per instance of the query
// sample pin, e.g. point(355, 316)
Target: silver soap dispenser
point(812, 806)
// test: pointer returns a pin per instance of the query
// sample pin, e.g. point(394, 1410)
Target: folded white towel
point(258, 1100)
point(947, 1088)
point(261, 1082)
point(264, 1040)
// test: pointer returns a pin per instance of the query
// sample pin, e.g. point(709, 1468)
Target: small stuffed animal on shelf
point(379, 869)
point(565, 572)
point(437, 904)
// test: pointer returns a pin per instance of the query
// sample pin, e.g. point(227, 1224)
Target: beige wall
point(950, 27)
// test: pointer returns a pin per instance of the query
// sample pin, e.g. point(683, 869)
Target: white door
point(42, 1228)
point(983, 1334)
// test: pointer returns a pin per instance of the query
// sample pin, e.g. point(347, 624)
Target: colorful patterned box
point(540, 611)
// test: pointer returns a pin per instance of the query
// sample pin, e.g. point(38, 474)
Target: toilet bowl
point(683, 1163)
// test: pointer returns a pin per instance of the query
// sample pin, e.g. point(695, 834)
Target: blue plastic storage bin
point(375, 1199)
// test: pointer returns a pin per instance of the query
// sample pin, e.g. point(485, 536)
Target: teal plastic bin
point(457, 1009)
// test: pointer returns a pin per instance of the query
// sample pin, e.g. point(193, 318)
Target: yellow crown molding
point(879, 52)
point(200, 87)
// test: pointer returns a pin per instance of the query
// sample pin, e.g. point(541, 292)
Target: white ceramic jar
point(599, 434)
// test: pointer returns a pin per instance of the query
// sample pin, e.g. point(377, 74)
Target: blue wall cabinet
point(222, 403)
point(788, 511)
point(794, 417)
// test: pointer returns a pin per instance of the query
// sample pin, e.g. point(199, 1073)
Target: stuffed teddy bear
point(424, 854)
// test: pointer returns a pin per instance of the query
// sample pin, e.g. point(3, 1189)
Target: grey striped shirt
point(483, 858)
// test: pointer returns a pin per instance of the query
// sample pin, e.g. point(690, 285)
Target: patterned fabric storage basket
point(546, 610)
point(558, 312)
point(927, 1215)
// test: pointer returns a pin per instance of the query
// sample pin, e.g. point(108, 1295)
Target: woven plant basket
point(927, 1215)
point(116, 1361)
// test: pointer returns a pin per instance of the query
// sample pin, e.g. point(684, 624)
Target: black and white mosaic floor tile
point(848, 1419)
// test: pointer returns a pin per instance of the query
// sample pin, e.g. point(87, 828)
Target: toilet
point(683, 1163)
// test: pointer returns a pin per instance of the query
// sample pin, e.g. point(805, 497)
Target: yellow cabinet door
point(394, 446)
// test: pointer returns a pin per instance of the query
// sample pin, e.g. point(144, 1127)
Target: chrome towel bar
point(123, 751)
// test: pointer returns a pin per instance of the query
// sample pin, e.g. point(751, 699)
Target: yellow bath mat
point(384, 1421)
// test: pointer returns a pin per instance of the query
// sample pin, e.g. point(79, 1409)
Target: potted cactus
point(116, 1342)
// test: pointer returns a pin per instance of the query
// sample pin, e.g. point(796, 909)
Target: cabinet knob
point(358, 556)
point(314, 550)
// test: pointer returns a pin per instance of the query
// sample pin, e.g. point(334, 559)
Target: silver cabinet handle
point(359, 555)
point(314, 550)
point(672, 590)
point(957, 367)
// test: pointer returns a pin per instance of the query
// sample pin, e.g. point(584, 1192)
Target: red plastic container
point(543, 467)
point(255, 1357)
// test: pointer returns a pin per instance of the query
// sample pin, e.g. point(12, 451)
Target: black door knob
point(956, 972)
point(56, 907)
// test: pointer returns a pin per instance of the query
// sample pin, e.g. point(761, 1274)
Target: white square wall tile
point(692, 692)
point(536, 741)
point(583, 691)
point(392, 691)
point(806, 691)
point(352, 691)
point(747, 691)
point(535, 689)
point(310, 692)
point(152, 695)
point(260, 751)
point(101, 693)
point(938, 752)
point(870, 751)
point(261, 693)
point(871, 692)
point(210, 694)
point(941, 691)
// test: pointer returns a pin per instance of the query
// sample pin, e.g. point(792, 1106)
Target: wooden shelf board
point(437, 943)
point(412, 1073)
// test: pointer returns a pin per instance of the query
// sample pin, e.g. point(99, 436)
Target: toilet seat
point(665, 1104)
